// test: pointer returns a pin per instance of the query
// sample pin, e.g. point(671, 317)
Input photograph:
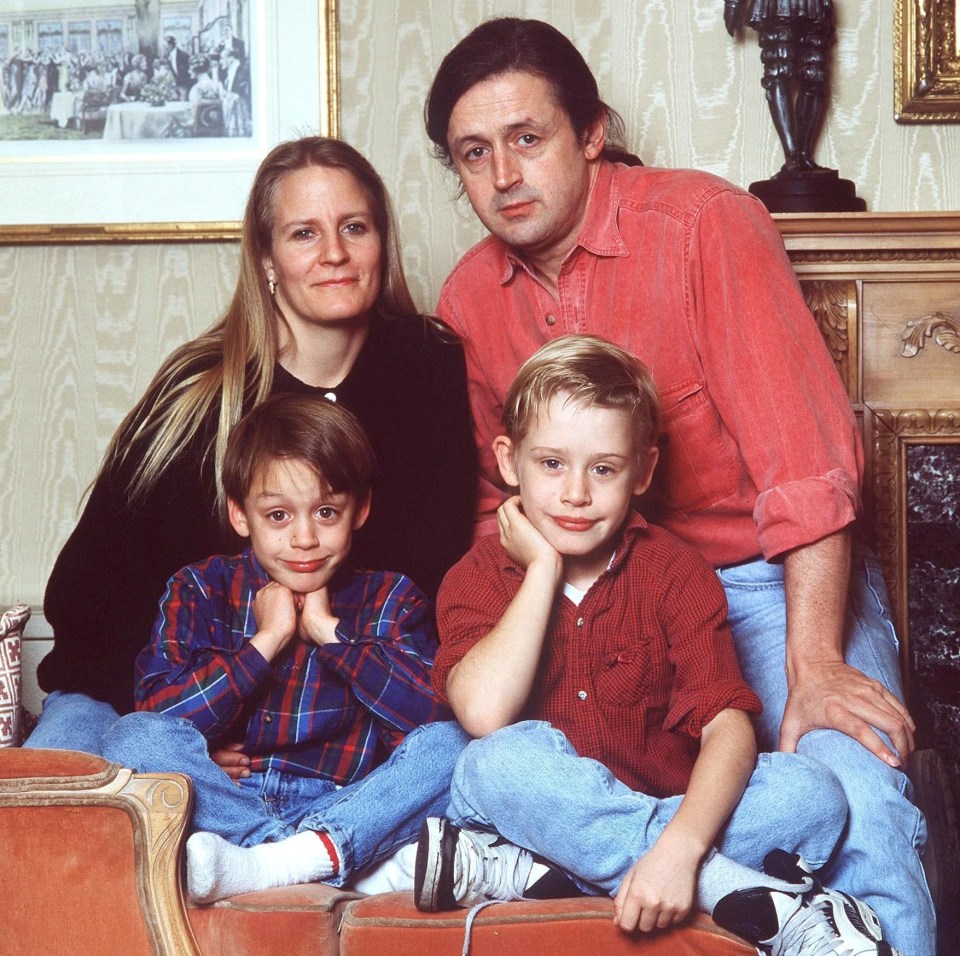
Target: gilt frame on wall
point(926, 51)
point(172, 194)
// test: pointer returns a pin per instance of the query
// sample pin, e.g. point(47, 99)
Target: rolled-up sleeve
point(770, 376)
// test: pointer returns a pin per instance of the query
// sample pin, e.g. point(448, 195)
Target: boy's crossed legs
point(275, 829)
point(527, 783)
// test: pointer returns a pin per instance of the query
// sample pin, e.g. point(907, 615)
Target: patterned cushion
point(11, 630)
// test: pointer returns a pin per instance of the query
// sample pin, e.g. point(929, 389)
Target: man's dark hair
point(509, 44)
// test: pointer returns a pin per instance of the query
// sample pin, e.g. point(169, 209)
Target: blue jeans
point(528, 783)
point(72, 721)
point(367, 820)
point(879, 858)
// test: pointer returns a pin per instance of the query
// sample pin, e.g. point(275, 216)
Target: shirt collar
point(258, 577)
point(600, 233)
point(635, 527)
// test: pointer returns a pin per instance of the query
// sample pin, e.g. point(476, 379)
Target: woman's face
point(325, 249)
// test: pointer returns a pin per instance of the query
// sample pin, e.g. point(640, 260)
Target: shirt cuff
point(690, 716)
point(800, 512)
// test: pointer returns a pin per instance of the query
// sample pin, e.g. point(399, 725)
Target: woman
point(321, 304)
point(203, 86)
point(134, 80)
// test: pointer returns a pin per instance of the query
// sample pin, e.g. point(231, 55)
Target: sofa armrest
point(91, 856)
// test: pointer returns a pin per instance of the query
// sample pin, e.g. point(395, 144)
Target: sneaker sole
point(434, 867)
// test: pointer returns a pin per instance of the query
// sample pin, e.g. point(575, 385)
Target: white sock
point(392, 874)
point(217, 869)
point(720, 876)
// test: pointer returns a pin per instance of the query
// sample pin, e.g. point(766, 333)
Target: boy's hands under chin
point(521, 540)
point(275, 611)
point(317, 625)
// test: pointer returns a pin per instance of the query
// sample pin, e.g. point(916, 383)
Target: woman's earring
point(272, 285)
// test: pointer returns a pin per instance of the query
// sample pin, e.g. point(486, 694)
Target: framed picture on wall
point(137, 119)
point(926, 87)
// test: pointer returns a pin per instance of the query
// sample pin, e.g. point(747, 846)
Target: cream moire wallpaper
point(83, 327)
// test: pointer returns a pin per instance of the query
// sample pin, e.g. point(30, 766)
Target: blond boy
point(589, 652)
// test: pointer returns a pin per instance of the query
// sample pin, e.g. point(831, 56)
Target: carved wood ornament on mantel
point(833, 304)
point(943, 328)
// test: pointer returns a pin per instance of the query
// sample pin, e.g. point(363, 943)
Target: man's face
point(525, 172)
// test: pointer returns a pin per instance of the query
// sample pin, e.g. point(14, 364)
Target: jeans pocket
point(758, 574)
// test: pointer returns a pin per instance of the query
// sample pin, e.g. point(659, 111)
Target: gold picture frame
point(926, 52)
point(211, 231)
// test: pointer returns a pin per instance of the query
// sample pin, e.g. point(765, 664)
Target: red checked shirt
point(688, 273)
point(332, 710)
point(633, 673)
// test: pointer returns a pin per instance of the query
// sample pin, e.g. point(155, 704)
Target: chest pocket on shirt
point(622, 679)
point(698, 460)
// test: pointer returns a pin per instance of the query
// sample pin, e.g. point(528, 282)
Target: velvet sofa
point(92, 859)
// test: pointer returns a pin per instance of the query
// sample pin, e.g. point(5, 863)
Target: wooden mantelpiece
point(864, 234)
point(885, 290)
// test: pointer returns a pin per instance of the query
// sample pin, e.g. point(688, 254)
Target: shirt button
point(551, 320)
point(268, 718)
point(580, 622)
point(582, 694)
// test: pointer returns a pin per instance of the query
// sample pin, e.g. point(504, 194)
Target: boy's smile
point(575, 524)
point(578, 469)
point(301, 532)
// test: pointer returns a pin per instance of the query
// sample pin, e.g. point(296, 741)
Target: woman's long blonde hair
point(230, 366)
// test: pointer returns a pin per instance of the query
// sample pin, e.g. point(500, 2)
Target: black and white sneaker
point(779, 923)
point(854, 922)
point(457, 867)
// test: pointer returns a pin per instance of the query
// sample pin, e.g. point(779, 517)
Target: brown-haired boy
point(321, 671)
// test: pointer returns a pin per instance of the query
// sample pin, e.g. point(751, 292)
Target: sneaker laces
point(868, 939)
point(468, 925)
point(489, 868)
point(808, 932)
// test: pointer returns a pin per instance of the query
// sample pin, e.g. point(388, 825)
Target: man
point(234, 75)
point(235, 80)
point(179, 62)
point(761, 459)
